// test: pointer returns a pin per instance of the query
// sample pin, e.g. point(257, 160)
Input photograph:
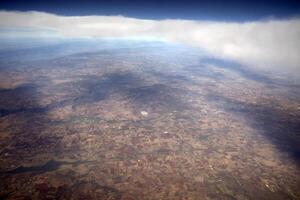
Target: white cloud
point(271, 43)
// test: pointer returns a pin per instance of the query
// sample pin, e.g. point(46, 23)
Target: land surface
point(143, 120)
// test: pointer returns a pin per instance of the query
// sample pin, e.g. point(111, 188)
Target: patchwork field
point(143, 120)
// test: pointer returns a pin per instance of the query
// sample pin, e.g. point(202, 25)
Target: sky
point(262, 34)
point(220, 10)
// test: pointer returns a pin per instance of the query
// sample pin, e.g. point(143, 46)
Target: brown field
point(145, 122)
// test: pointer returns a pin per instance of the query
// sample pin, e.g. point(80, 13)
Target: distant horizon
point(269, 44)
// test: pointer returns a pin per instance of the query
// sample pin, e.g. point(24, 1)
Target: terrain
point(122, 119)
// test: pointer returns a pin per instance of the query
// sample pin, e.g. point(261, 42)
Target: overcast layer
point(266, 44)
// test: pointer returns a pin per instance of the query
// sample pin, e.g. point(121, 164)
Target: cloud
point(268, 43)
